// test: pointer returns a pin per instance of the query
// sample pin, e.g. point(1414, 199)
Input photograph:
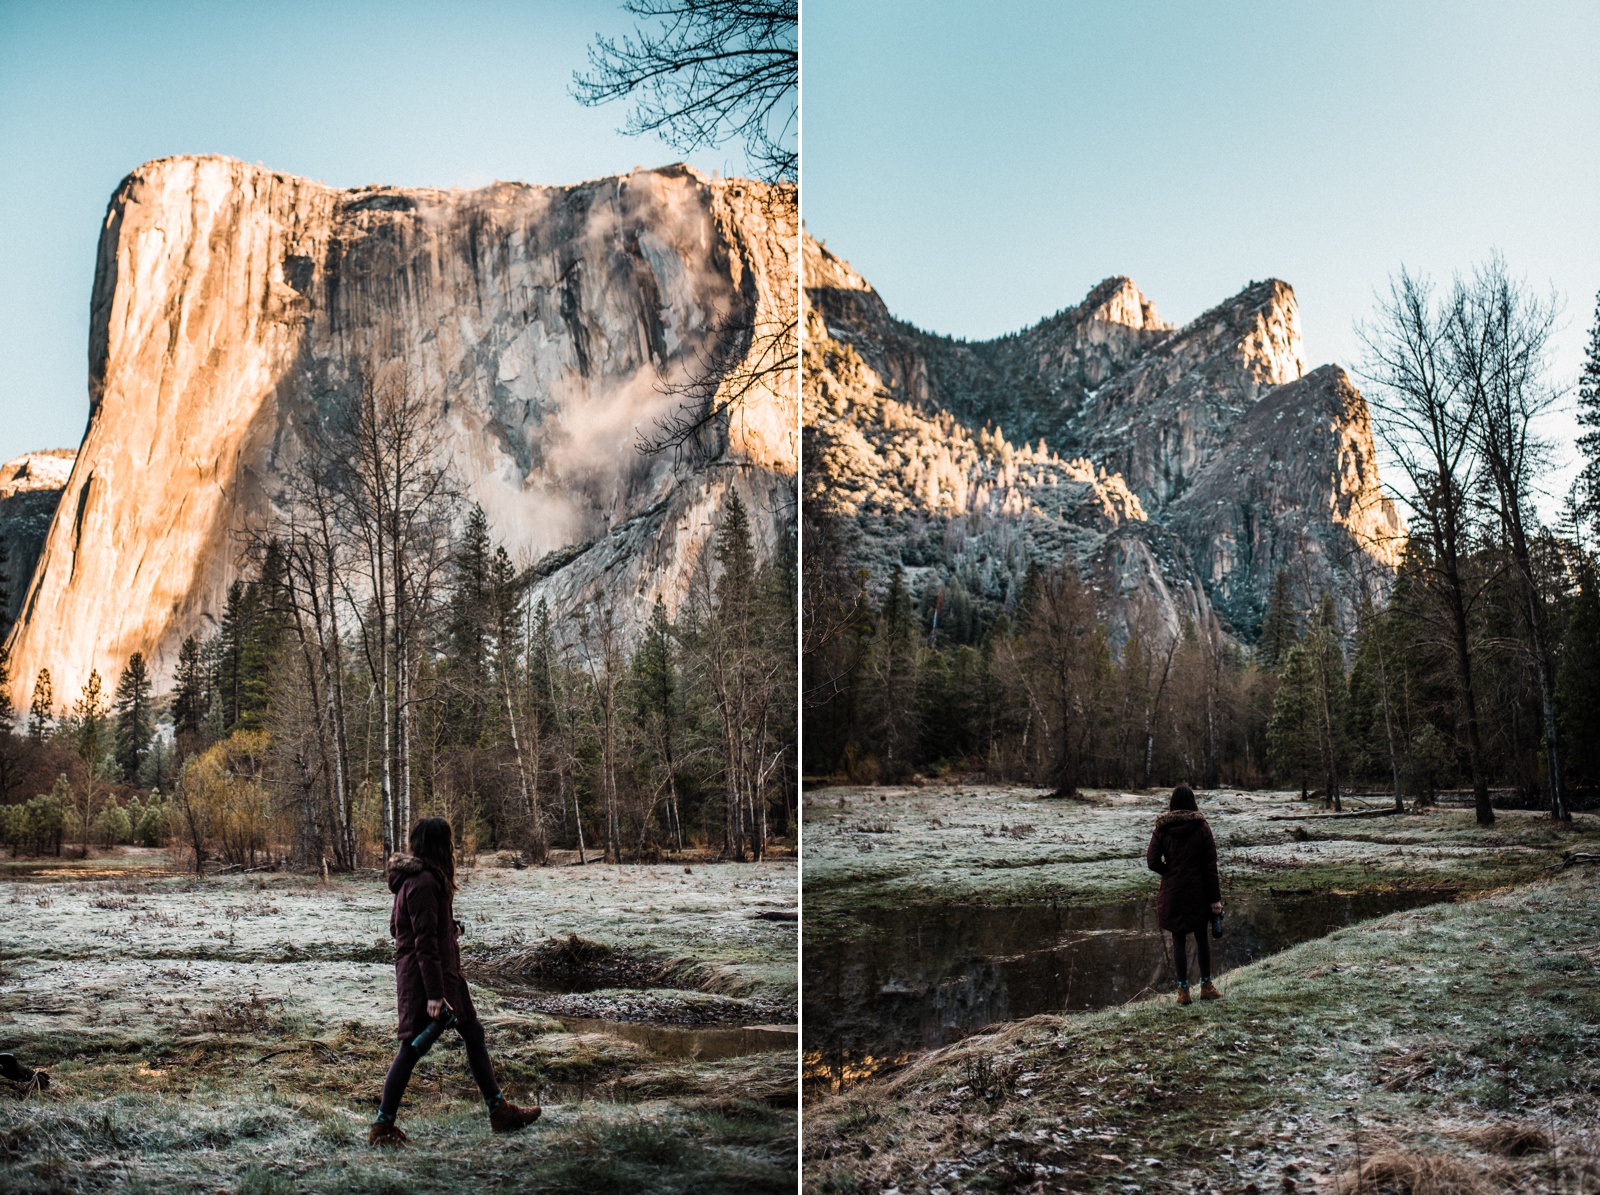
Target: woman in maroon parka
point(1183, 853)
point(427, 976)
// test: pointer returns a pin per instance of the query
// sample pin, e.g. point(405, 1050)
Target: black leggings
point(1202, 953)
point(407, 1057)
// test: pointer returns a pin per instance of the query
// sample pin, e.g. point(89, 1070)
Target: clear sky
point(984, 165)
point(347, 91)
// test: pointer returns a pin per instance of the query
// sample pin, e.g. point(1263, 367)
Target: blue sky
point(985, 165)
point(346, 91)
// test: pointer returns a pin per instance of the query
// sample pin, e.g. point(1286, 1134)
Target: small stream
point(892, 983)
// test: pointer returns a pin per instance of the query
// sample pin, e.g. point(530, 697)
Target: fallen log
point(1572, 857)
point(1324, 817)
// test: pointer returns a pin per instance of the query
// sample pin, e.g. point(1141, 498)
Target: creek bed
point(882, 985)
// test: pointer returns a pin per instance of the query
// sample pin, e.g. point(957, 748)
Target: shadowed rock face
point(30, 491)
point(234, 308)
point(1181, 467)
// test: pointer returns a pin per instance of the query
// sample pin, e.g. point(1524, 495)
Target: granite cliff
point(1181, 467)
point(234, 307)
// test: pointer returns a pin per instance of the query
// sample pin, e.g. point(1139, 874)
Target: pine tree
point(657, 683)
point(1588, 484)
point(1291, 733)
point(135, 717)
point(893, 660)
point(1280, 627)
point(254, 622)
point(190, 699)
point(42, 708)
point(233, 637)
point(736, 554)
point(467, 631)
point(1578, 683)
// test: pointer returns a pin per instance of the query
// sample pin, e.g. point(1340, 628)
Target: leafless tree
point(1497, 333)
point(704, 72)
point(396, 503)
point(1425, 419)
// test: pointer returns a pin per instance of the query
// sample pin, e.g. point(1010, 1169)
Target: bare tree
point(315, 553)
point(704, 72)
point(396, 499)
point(1425, 420)
point(1497, 334)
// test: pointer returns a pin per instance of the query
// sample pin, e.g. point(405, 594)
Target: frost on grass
point(1455, 1040)
point(958, 842)
point(233, 1033)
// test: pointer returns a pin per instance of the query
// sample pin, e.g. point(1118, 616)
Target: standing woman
point(1183, 853)
point(427, 973)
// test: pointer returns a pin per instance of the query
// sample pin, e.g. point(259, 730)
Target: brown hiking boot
point(387, 1134)
point(1183, 995)
point(1208, 991)
point(506, 1117)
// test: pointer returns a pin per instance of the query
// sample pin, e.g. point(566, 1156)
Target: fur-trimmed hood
point(402, 867)
point(1182, 820)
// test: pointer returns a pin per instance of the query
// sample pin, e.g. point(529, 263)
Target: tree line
point(1475, 664)
point(379, 659)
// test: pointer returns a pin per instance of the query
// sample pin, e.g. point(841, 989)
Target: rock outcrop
point(1181, 467)
point(30, 491)
point(235, 307)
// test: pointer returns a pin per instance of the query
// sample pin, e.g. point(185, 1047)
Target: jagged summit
point(1235, 458)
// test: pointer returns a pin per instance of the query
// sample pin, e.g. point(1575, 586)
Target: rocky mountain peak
point(1213, 457)
point(1118, 301)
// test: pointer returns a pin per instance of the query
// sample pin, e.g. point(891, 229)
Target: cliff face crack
point(572, 313)
point(77, 522)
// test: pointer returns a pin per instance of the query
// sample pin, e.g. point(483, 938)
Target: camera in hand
point(431, 1031)
point(1216, 925)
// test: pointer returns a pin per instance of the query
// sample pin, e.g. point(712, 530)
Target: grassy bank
point(232, 1033)
point(950, 843)
point(1460, 1042)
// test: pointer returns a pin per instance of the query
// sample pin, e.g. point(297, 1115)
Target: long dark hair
point(1182, 798)
point(432, 842)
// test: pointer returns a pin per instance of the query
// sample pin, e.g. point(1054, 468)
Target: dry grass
point(1511, 1139)
point(1407, 1172)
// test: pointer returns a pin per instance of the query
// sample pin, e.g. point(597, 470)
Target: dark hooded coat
point(427, 960)
point(1183, 853)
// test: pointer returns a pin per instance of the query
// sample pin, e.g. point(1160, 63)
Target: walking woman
point(1183, 853)
point(427, 974)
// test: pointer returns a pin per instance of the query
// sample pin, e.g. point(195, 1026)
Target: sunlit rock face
point(1181, 467)
point(30, 490)
point(233, 307)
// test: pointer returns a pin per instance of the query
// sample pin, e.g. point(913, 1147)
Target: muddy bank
point(905, 981)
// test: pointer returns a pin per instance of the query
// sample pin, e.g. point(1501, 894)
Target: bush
point(37, 827)
point(112, 826)
point(153, 825)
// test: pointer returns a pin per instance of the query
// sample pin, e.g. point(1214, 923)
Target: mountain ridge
point(1108, 396)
